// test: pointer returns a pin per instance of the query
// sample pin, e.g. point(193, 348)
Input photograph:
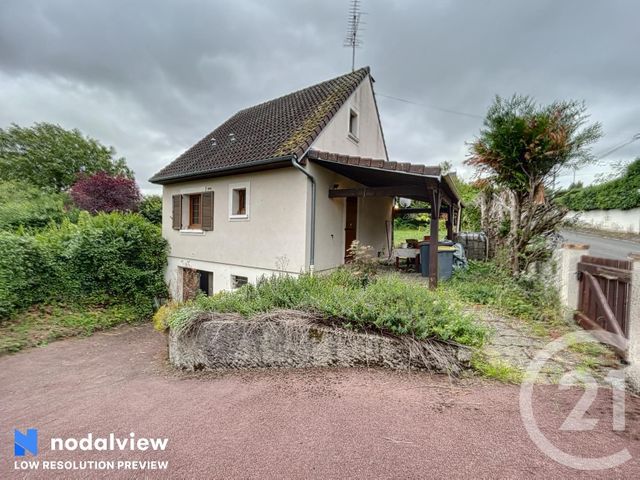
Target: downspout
point(312, 234)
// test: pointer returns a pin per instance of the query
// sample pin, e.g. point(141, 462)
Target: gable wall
point(374, 214)
point(334, 138)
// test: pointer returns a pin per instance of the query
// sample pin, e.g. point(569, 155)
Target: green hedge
point(20, 286)
point(622, 193)
point(23, 205)
point(106, 257)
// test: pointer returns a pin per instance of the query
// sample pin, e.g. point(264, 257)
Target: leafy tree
point(102, 192)
point(520, 148)
point(51, 157)
point(151, 208)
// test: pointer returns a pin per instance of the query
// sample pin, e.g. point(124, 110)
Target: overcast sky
point(153, 77)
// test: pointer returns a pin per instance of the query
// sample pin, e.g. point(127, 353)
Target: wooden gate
point(603, 295)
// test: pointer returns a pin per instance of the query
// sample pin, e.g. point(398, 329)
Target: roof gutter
point(219, 172)
point(312, 213)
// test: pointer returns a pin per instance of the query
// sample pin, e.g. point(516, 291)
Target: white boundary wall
point(615, 220)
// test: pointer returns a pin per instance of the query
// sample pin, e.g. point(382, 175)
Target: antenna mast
point(353, 39)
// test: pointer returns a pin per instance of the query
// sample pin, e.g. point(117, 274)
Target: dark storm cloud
point(152, 77)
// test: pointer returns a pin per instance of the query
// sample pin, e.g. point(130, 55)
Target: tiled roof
point(402, 167)
point(272, 130)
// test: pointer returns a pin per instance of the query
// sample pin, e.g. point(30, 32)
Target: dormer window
point(353, 124)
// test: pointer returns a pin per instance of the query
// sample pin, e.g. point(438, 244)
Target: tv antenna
point(353, 39)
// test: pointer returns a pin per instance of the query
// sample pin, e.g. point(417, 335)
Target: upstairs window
point(195, 211)
point(192, 212)
point(353, 124)
point(239, 201)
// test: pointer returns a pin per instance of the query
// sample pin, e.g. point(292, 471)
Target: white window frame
point(354, 136)
point(247, 189)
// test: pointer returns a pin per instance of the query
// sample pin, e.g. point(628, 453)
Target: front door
point(350, 225)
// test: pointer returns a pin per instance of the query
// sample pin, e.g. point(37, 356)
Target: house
point(286, 186)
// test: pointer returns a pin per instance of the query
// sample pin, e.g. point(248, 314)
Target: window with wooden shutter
point(207, 211)
point(177, 212)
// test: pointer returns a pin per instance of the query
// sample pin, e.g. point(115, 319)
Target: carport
point(400, 180)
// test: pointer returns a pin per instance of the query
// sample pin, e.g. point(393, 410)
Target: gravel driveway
point(288, 424)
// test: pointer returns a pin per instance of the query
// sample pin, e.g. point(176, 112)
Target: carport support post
point(433, 239)
point(450, 223)
point(633, 355)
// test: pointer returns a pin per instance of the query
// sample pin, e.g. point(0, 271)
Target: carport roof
point(381, 173)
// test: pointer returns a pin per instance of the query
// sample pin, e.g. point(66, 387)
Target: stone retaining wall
point(219, 343)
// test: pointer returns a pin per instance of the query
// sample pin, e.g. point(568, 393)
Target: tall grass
point(387, 304)
point(530, 298)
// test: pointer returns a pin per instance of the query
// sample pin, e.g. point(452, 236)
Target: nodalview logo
point(23, 442)
point(28, 442)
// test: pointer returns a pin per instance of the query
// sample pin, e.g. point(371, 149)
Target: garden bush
point(386, 304)
point(23, 205)
point(23, 272)
point(151, 208)
point(103, 258)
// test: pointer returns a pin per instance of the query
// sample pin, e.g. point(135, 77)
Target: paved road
point(289, 424)
point(602, 246)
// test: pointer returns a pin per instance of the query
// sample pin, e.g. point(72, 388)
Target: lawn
point(401, 235)
point(42, 324)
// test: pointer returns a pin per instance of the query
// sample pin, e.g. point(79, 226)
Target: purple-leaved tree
point(102, 192)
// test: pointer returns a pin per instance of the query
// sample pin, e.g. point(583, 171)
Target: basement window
point(238, 281)
point(353, 124)
point(205, 282)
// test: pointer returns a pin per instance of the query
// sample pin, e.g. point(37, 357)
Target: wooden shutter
point(177, 212)
point(207, 211)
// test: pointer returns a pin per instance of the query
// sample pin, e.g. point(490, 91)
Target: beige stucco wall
point(374, 223)
point(371, 229)
point(274, 231)
point(334, 138)
point(330, 213)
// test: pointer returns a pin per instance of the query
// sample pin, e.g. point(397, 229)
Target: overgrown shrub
point(151, 208)
point(528, 297)
point(23, 271)
point(101, 258)
point(362, 264)
point(118, 254)
point(23, 205)
point(388, 304)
